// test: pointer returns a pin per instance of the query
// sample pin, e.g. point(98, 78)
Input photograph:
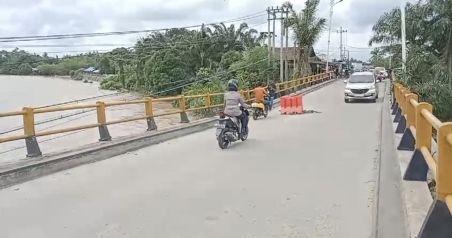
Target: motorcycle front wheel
point(255, 115)
point(222, 141)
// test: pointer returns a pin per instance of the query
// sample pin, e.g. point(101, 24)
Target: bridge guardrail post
point(418, 168)
point(399, 116)
point(31, 143)
point(183, 112)
point(407, 142)
point(104, 134)
point(403, 113)
point(208, 100)
point(150, 114)
point(395, 106)
point(438, 222)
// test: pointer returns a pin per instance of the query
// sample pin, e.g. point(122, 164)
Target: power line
point(210, 78)
point(85, 35)
point(61, 45)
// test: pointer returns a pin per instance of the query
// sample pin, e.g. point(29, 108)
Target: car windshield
point(361, 79)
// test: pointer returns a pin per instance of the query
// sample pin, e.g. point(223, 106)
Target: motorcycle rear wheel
point(244, 137)
point(222, 141)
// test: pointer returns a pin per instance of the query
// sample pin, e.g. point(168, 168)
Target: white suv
point(361, 86)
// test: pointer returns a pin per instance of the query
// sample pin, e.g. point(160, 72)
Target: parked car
point(361, 86)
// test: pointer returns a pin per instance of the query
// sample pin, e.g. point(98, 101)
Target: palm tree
point(307, 28)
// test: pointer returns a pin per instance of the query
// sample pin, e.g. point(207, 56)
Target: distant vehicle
point(357, 67)
point(361, 86)
point(379, 70)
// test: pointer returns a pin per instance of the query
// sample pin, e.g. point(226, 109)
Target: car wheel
point(346, 100)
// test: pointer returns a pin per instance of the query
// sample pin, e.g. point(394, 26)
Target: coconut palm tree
point(307, 28)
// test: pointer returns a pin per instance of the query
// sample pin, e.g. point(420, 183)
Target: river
point(17, 92)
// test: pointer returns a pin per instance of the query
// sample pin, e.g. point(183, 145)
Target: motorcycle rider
point(260, 93)
point(272, 93)
point(232, 103)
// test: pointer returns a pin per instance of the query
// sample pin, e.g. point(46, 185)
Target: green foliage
point(307, 28)
point(429, 48)
point(77, 74)
point(25, 69)
point(111, 83)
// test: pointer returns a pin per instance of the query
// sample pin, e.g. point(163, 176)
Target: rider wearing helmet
point(232, 103)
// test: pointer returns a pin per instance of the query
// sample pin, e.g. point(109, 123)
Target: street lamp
point(332, 4)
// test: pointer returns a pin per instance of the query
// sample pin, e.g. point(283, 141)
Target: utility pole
point(402, 9)
point(341, 47)
point(286, 63)
point(332, 3)
point(269, 44)
point(281, 60)
point(295, 55)
point(274, 32)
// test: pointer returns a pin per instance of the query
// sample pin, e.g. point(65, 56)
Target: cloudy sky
point(45, 17)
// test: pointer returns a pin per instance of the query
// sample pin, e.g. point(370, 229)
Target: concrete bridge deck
point(311, 175)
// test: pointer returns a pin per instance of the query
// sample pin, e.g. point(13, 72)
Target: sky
point(45, 17)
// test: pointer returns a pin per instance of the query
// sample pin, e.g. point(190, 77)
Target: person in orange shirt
point(259, 93)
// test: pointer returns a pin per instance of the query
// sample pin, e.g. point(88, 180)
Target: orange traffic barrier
point(292, 104)
point(299, 102)
point(284, 104)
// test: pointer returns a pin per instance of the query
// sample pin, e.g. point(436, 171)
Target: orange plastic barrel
point(299, 107)
point(283, 104)
point(293, 104)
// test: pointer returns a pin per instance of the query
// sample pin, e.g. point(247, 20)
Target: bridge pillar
point(401, 126)
point(31, 143)
point(438, 222)
point(150, 114)
point(102, 121)
point(183, 112)
point(395, 108)
point(408, 141)
point(417, 168)
point(398, 115)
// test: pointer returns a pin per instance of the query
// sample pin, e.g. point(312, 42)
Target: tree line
point(181, 60)
point(429, 50)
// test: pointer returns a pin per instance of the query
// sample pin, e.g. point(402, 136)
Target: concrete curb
point(389, 219)
point(33, 168)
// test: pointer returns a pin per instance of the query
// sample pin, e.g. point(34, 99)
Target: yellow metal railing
point(28, 113)
point(421, 121)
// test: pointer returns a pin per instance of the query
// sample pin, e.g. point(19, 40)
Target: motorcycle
point(229, 130)
point(380, 77)
point(260, 109)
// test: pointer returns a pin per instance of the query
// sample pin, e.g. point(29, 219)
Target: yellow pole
point(149, 114)
point(148, 107)
point(444, 164)
point(101, 116)
point(29, 121)
point(183, 112)
point(207, 100)
point(423, 127)
point(410, 110)
point(104, 134)
point(31, 143)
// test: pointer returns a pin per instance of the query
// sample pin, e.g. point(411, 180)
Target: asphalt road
point(309, 175)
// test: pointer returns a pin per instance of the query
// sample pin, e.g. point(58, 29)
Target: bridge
point(333, 173)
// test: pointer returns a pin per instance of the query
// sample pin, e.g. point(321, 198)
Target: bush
point(210, 87)
point(77, 75)
point(111, 83)
point(25, 69)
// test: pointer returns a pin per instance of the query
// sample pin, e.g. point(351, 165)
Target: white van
point(361, 86)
